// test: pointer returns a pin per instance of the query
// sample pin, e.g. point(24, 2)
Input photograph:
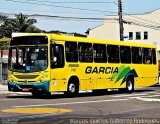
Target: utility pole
point(121, 29)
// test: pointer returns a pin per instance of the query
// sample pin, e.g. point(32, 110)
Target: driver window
point(57, 56)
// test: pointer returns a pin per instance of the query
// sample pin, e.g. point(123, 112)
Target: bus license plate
point(25, 89)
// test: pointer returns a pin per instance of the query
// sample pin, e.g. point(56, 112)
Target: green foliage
point(61, 32)
point(4, 43)
point(21, 23)
point(79, 35)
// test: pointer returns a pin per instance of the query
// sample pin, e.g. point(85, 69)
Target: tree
point(33, 29)
point(4, 43)
point(21, 23)
point(3, 19)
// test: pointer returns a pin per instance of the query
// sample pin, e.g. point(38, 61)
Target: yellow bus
point(45, 63)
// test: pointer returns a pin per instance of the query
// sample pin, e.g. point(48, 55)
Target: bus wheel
point(130, 85)
point(72, 89)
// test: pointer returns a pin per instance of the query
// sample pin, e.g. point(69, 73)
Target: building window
point(138, 35)
point(145, 35)
point(130, 35)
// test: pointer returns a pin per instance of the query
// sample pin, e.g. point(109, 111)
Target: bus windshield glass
point(28, 59)
point(29, 40)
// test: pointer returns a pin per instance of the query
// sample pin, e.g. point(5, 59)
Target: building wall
point(110, 28)
point(4, 66)
point(105, 31)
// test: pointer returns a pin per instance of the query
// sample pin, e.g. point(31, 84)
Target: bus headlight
point(10, 79)
point(41, 79)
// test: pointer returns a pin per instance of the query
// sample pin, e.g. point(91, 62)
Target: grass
point(153, 97)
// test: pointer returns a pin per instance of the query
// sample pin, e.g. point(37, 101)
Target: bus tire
point(73, 88)
point(130, 85)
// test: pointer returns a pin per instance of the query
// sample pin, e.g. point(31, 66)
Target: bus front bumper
point(15, 87)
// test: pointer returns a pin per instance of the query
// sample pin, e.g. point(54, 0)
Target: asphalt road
point(110, 107)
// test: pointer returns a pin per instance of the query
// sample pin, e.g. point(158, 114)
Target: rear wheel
point(129, 85)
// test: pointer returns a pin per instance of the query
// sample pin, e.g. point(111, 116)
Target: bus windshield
point(28, 59)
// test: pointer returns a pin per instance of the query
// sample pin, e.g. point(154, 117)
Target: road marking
point(154, 92)
point(37, 110)
point(71, 103)
point(130, 95)
point(7, 99)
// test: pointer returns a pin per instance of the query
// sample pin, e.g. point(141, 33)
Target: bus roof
point(61, 37)
point(100, 41)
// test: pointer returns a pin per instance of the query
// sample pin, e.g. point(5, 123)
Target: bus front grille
point(26, 76)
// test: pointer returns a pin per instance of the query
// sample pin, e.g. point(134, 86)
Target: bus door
point(58, 80)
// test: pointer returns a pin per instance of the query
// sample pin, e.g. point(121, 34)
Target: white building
point(139, 28)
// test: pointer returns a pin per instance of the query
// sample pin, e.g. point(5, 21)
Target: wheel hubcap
point(72, 88)
point(129, 85)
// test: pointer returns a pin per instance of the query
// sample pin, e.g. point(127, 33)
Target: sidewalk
point(4, 90)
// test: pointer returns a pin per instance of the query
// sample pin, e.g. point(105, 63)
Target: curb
point(148, 99)
point(13, 93)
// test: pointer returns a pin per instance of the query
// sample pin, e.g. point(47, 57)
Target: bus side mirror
point(54, 62)
point(54, 59)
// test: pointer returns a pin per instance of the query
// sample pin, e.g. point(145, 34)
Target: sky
point(74, 8)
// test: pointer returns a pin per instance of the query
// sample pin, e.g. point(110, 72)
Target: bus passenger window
point(57, 56)
point(99, 53)
point(147, 56)
point(125, 54)
point(136, 55)
point(71, 51)
point(113, 53)
point(85, 52)
point(154, 56)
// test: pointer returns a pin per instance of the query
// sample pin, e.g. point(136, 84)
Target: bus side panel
point(147, 75)
point(58, 80)
point(87, 79)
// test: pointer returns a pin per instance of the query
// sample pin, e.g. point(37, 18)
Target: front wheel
point(72, 89)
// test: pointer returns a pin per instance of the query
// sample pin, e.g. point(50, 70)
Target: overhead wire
point(144, 20)
point(135, 6)
point(88, 19)
point(141, 21)
point(61, 17)
point(66, 7)
point(76, 2)
point(130, 21)
point(54, 11)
